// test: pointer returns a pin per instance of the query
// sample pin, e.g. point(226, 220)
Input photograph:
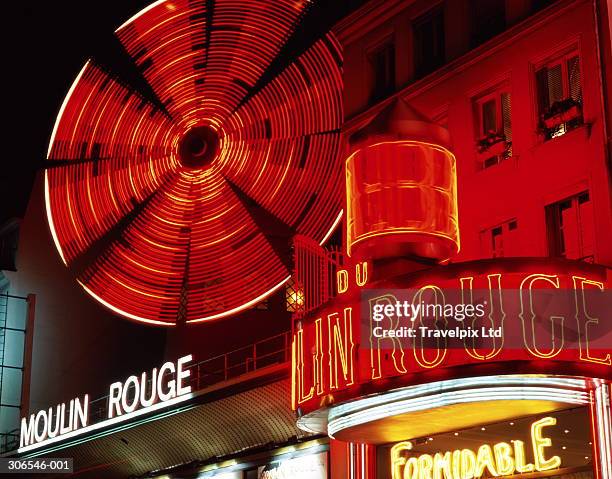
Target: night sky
point(46, 45)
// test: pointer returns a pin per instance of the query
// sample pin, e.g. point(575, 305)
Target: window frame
point(480, 102)
point(560, 57)
point(419, 71)
point(555, 239)
point(494, 93)
point(388, 41)
point(487, 237)
point(479, 39)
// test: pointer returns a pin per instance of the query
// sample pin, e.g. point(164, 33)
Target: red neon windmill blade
point(175, 184)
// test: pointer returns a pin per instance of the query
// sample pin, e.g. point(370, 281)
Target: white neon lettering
point(114, 396)
point(182, 375)
point(165, 396)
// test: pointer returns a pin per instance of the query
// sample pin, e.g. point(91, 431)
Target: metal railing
point(314, 278)
point(208, 372)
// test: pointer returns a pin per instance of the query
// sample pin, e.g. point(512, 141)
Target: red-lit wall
point(81, 348)
point(539, 173)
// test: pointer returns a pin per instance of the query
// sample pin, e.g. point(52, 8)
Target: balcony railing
point(208, 372)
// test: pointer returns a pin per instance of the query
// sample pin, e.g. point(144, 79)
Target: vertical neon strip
point(602, 430)
point(294, 383)
point(594, 448)
point(363, 461)
point(351, 460)
point(357, 465)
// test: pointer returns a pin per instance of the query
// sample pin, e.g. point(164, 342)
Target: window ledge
point(584, 129)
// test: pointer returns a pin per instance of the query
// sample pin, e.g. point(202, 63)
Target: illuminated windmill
point(175, 182)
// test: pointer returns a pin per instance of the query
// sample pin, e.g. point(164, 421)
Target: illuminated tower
point(401, 182)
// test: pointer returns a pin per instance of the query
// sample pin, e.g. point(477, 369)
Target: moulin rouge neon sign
point(137, 395)
point(337, 348)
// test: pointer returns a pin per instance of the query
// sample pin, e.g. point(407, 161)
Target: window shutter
point(553, 230)
point(555, 84)
point(542, 90)
point(575, 86)
point(586, 225)
point(570, 231)
point(506, 110)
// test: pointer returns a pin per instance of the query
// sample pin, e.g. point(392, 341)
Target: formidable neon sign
point(501, 459)
point(337, 348)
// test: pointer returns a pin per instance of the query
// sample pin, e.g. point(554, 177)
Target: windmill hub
point(198, 147)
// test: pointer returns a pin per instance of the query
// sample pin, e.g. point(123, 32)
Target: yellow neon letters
point(501, 459)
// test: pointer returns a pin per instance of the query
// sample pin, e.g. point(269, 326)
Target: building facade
point(511, 101)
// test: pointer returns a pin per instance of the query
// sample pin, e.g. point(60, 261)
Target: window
point(501, 240)
point(382, 64)
point(570, 228)
point(559, 91)
point(493, 121)
point(13, 317)
point(428, 37)
point(488, 19)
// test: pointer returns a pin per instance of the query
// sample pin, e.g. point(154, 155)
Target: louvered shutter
point(506, 110)
point(570, 225)
point(574, 80)
point(555, 84)
point(586, 225)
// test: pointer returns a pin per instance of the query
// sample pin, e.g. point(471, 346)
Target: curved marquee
point(184, 159)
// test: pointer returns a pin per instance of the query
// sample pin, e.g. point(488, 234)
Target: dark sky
point(45, 45)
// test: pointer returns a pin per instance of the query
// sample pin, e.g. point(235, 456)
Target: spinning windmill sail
point(172, 192)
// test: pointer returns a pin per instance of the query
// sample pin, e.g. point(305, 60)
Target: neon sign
point(311, 466)
point(501, 459)
point(135, 396)
point(419, 179)
point(164, 180)
point(337, 348)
